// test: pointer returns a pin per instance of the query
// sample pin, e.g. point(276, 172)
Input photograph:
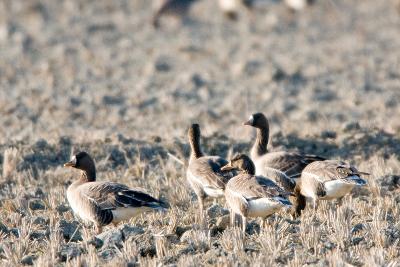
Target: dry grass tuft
point(11, 159)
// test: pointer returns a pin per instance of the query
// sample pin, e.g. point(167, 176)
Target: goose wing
point(207, 171)
point(291, 163)
point(330, 170)
point(252, 187)
point(110, 196)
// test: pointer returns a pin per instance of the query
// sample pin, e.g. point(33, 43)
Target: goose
point(177, 8)
point(297, 5)
point(329, 179)
point(230, 8)
point(281, 166)
point(204, 172)
point(250, 195)
point(102, 202)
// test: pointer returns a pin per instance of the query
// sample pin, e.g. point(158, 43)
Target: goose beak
point(71, 163)
point(227, 167)
point(249, 122)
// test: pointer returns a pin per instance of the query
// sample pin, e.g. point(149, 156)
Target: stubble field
point(95, 76)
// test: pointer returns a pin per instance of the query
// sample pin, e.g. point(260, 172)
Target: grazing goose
point(329, 179)
point(105, 202)
point(204, 172)
point(250, 195)
point(283, 167)
point(177, 8)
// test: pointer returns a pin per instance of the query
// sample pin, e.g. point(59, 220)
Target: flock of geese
point(230, 8)
point(255, 186)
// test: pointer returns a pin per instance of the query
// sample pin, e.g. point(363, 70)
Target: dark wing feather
point(109, 196)
point(329, 170)
point(290, 163)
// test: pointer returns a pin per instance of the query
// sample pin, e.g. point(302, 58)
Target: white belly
point(263, 207)
point(337, 189)
point(124, 214)
point(210, 191)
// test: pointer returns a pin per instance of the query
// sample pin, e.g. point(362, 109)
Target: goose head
point(257, 120)
point(83, 162)
point(242, 163)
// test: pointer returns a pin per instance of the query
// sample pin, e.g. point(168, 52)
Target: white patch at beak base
point(73, 160)
point(251, 119)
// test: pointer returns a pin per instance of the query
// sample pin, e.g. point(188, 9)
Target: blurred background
point(91, 69)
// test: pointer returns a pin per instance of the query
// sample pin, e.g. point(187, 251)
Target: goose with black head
point(204, 172)
point(102, 202)
point(250, 195)
point(281, 166)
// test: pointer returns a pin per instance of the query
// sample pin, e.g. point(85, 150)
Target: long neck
point(89, 175)
point(249, 168)
point(260, 145)
point(195, 148)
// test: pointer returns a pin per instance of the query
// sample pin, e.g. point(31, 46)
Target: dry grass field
point(95, 76)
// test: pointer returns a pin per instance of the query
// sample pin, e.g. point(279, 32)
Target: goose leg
point(244, 223)
point(232, 218)
point(315, 204)
point(98, 229)
point(201, 207)
point(340, 201)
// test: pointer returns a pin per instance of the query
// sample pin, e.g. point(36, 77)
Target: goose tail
point(158, 205)
point(283, 201)
point(355, 179)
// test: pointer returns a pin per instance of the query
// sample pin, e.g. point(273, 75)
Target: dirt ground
point(96, 76)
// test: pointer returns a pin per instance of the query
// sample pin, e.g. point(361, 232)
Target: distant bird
point(204, 172)
point(103, 203)
point(297, 5)
point(250, 195)
point(175, 8)
point(283, 167)
point(329, 179)
point(230, 8)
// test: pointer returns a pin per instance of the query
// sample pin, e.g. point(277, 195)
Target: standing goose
point(281, 166)
point(329, 179)
point(105, 202)
point(250, 195)
point(204, 172)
